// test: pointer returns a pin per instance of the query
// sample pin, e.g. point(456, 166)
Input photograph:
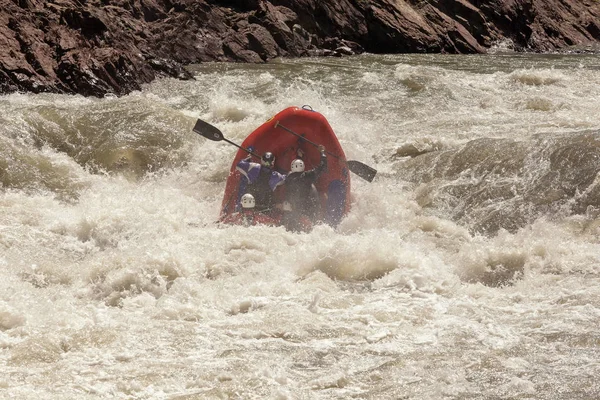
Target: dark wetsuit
point(301, 194)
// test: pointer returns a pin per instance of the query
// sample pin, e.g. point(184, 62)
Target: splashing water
point(468, 269)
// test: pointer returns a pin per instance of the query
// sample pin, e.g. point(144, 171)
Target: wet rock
point(97, 47)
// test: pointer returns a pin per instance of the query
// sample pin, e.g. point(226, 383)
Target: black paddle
point(360, 169)
point(213, 133)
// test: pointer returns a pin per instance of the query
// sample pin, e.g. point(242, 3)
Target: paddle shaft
point(277, 124)
point(213, 133)
point(242, 148)
point(360, 169)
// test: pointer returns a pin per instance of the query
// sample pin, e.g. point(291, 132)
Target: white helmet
point(297, 165)
point(248, 201)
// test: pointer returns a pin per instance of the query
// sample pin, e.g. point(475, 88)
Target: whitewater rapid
point(469, 268)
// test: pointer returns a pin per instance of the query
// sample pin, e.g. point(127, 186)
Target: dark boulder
point(95, 47)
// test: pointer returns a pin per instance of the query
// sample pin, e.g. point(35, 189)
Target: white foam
point(130, 289)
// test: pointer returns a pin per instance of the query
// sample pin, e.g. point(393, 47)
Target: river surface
point(468, 269)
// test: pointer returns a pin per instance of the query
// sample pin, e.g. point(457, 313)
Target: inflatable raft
point(295, 133)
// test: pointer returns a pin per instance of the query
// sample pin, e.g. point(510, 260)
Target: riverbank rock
point(97, 47)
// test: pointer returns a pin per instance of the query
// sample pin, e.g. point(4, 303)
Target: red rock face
point(103, 46)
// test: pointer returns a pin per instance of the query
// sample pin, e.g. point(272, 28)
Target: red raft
point(279, 135)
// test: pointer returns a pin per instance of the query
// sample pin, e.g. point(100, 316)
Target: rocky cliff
point(95, 47)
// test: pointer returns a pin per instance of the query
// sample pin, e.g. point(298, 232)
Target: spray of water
point(467, 269)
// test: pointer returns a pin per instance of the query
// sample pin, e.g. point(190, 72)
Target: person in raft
point(248, 215)
point(260, 180)
point(301, 207)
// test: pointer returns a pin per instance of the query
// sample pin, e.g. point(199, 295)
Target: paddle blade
point(208, 131)
point(362, 170)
